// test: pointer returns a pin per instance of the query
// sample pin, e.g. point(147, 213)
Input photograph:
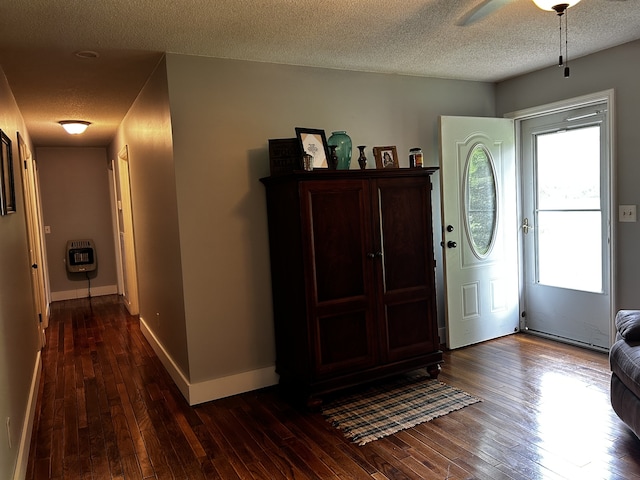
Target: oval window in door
point(480, 201)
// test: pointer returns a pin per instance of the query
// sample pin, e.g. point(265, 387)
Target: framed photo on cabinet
point(314, 142)
point(386, 157)
point(7, 189)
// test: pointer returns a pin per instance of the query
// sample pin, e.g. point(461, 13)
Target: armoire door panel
point(339, 234)
point(344, 342)
point(409, 329)
point(406, 233)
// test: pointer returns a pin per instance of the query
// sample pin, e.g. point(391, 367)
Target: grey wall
point(146, 131)
point(198, 136)
point(223, 112)
point(76, 205)
point(616, 68)
point(19, 342)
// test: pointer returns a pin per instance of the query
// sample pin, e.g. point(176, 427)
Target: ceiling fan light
point(549, 4)
point(74, 127)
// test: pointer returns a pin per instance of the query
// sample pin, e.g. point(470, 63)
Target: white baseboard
point(196, 393)
point(232, 385)
point(20, 472)
point(84, 293)
point(174, 371)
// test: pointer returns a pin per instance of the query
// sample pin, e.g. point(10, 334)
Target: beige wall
point(19, 342)
point(146, 130)
point(616, 68)
point(76, 205)
point(223, 112)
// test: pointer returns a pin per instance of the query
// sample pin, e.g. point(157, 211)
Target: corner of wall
point(172, 367)
point(232, 385)
point(201, 392)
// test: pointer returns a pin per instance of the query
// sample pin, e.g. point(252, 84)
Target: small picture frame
point(314, 142)
point(386, 157)
point(7, 189)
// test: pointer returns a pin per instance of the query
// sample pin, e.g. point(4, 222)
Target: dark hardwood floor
point(108, 410)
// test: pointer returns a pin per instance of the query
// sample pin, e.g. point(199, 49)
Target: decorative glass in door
point(480, 201)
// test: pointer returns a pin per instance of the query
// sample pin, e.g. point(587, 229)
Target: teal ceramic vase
point(342, 141)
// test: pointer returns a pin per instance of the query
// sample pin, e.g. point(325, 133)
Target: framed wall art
point(314, 142)
point(386, 157)
point(7, 189)
point(284, 155)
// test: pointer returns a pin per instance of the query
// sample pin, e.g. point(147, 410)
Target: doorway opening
point(546, 217)
point(127, 272)
point(566, 192)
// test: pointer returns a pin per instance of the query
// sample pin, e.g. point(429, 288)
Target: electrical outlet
point(627, 213)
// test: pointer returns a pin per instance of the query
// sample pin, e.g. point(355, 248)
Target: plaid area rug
point(381, 410)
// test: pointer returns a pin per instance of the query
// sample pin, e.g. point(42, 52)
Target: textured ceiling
point(414, 37)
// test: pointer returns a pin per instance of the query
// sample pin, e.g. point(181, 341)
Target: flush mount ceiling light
point(74, 127)
point(560, 9)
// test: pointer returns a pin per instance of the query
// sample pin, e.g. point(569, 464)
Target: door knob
point(451, 244)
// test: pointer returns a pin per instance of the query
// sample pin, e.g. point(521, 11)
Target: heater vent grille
point(81, 256)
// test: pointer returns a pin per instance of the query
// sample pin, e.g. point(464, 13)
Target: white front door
point(565, 207)
point(480, 231)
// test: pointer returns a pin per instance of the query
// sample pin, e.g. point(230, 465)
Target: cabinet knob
point(451, 244)
point(378, 254)
point(371, 255)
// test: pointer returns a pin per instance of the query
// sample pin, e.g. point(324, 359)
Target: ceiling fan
point(487, 7)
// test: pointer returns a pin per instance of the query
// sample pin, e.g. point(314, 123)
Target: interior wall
point(146, 130)
point(616, 68)
point(74, 186)
point(19, 340)
point(223, 113)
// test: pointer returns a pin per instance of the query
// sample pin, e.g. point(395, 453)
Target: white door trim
point(519, 116)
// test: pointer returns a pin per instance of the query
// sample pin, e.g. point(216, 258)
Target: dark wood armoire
point(353, 277)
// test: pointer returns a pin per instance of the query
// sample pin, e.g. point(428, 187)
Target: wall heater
point(81, 256)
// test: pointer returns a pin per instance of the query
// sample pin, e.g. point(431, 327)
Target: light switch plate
point(627, 213)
